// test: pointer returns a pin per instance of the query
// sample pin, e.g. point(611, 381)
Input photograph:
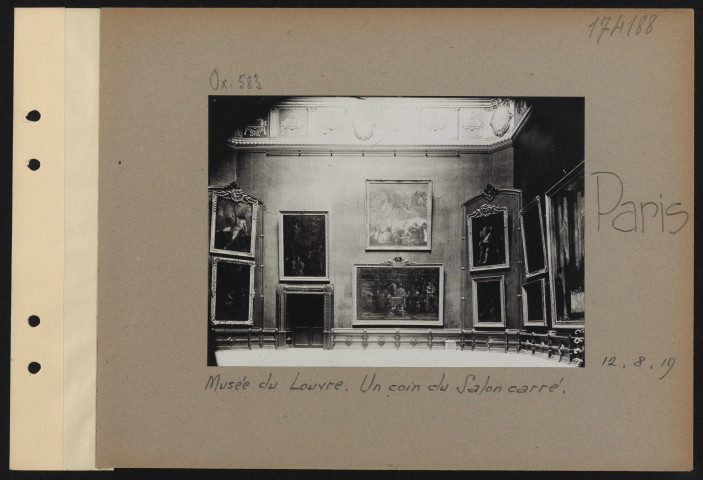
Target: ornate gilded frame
point(237, 196)
point(536, 203)
point(213, 291)
point(399, 263)
point(428, 247)
point(486, 210)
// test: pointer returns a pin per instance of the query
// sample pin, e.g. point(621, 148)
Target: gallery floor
point(307, 357)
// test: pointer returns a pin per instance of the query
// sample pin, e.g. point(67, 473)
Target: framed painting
point(488, 238)
point(398, 292)
point(489, 301)
point(233, 223)
point(232, 291)
point(533, 243)
point(534, 303)
point(566, 249)
point(398, 215)
point(303, 239)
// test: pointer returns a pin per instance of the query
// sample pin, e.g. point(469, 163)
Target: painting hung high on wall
point(233, 224)
point(398, 293)
point(398, 214)
point(533, 243)
point(303, 246)
point(488, 238)
point(231, 291)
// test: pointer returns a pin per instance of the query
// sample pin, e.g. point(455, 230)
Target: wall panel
point(337, 184)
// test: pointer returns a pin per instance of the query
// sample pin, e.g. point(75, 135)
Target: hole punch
point(34, 368)
point(33, 164)
point(33, 116)
point(33, 321)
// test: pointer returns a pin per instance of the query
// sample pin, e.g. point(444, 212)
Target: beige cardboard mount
point(634, 69)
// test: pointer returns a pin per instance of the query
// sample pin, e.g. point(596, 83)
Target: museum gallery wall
point(421, 235)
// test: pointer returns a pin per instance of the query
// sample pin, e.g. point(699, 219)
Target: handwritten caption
point(642, 362)
point(242, 81)
point(470, 384)
point(637, 25)
point(635, 216)
point(372, 383)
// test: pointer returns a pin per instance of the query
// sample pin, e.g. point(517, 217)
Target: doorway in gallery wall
point(305, 318)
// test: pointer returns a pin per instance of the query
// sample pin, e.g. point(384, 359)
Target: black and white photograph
point(395, 231)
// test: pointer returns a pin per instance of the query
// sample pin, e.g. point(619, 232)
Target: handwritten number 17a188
point(638, 25)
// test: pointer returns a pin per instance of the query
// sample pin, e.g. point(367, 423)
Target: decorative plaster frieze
point(376, 123)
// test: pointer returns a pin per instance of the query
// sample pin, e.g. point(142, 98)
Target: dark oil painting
point(567, 250)
point(232, 291)
point(534, 301)
point(489, 301)
point(488, 241)
point(304, 245)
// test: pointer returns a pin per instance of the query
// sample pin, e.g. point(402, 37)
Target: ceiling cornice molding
point(387, 102)
point(301, 143)
point(370, 150)
point(383, 124)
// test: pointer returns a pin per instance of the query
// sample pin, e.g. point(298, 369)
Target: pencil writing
point(642, 362)
point(624, 26)
point(244, 81)
point(631, 216)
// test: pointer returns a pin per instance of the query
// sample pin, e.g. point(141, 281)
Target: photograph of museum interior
point(406, 224)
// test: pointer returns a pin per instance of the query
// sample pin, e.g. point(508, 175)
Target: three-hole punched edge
point(33, 164)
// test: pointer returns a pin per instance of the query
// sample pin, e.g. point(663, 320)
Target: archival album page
point(367, 239)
